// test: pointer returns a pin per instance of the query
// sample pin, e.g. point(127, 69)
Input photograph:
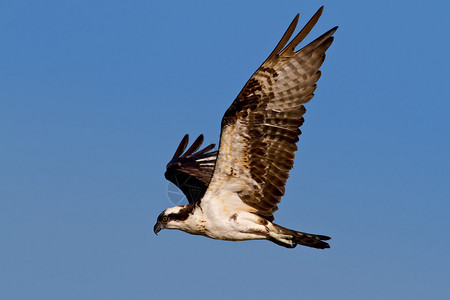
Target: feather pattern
point(261, 128)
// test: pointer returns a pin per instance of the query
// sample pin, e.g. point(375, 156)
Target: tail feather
point(311, 240)
point(302, 238)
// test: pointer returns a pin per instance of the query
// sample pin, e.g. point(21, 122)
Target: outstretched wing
point(191, 171)
point(261, 128)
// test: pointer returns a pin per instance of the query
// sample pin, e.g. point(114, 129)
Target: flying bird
point(234, 191)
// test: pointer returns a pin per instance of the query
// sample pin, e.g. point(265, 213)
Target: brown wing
point(261, 128)
point(191, 171)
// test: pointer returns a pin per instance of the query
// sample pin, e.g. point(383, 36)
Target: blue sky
point(96, 95)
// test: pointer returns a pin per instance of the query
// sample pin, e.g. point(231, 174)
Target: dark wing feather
point(261, 128)
point(191, 172)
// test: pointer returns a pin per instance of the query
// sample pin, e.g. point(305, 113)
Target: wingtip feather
point(181, 147)
point(290, 48)
point(195, 145)
point(285, 38)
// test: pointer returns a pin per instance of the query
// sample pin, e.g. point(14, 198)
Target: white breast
point(226, 217)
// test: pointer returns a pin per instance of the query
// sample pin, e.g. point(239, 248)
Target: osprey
point(233, 192)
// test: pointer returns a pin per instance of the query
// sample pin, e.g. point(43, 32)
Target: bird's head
point(173, 218)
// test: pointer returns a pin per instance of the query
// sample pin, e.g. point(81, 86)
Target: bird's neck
point(194, 222)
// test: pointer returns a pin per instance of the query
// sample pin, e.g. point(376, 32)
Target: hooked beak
point(157, 228)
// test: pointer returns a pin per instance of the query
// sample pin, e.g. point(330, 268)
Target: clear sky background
point(96, 95)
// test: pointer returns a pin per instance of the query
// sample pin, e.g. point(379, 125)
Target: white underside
point(228, 218)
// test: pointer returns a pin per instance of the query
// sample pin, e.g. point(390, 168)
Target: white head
point(173, 217)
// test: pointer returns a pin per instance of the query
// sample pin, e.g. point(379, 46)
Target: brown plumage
point(269, 109)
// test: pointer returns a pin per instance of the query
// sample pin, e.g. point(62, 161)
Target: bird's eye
point(164, 219)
